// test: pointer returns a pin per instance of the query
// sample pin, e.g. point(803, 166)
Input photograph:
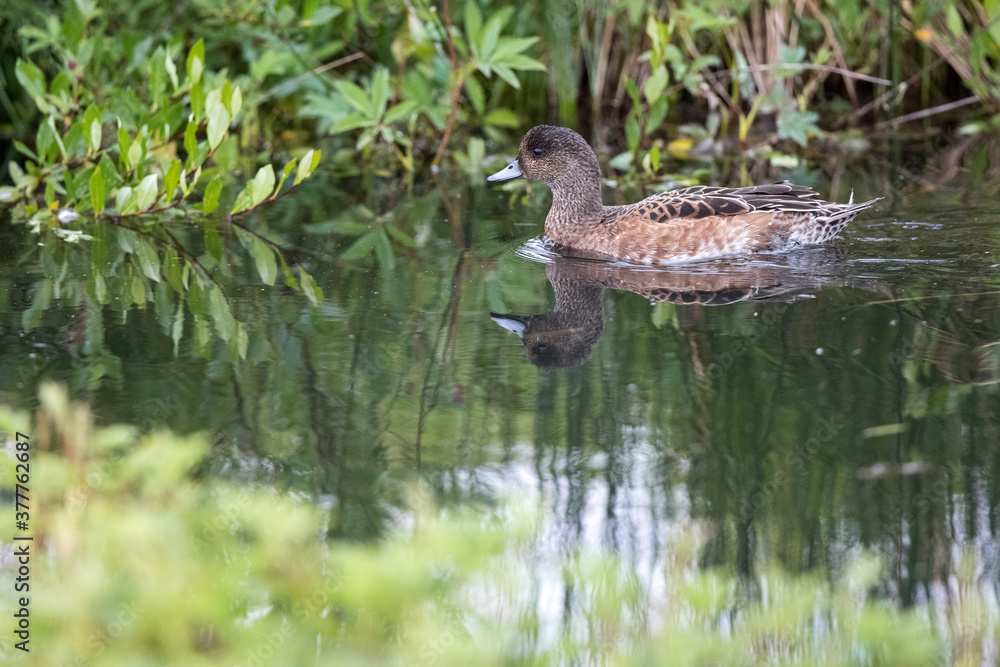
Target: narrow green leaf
point(244, 200)
point(24, 150)
point(225, 324)
point(124, 200)
point(149, 260)
point(196, 61)
point(263, 184)
point(401, 236)
point(145, 194)
point(380, 92)
point(473, 24)
point(137, 290)
point(174, 271)
point(135, 153)
point(171, 69)
point(239, 343)
point(362, 246)
point(97, 190)
point(32, 79)
point(236, 103)
point(356, 97)
point(488, 43)
point(263, 257)
point(171, 180)
point(383, 250)
point(218, 125)
point(191, 139)
point(310, 288)
point(212, 194)
point(213, 242)
point(308, 162)
point(285, 173)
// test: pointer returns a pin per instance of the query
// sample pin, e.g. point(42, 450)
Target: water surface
point(797, 407)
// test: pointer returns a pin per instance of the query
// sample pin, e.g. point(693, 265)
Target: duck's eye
point(537, 152)
point(541, 348)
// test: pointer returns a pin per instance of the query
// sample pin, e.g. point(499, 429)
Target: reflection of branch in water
point(567, 335)
point(448, 323)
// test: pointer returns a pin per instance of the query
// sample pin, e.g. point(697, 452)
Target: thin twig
point(281, 87)
point(929, 296)
point(924, 113)
point(807, 66)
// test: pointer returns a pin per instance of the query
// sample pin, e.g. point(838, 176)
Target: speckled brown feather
point(681, 225)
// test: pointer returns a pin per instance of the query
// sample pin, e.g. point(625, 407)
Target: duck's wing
point(705, 201)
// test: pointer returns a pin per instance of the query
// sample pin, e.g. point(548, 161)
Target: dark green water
point(829, 400)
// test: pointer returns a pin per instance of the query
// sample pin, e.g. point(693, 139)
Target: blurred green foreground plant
point(142, 559)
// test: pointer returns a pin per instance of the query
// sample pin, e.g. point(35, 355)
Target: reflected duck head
point(554, 340)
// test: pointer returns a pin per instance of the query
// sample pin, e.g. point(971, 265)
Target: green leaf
point(511, 46)
point(196, 61)
point(307, 164)
point(309, 287)
point(171, 180)
point(212, 194)
point(263, 184)
point(239, 342)
point(351, 122)
point(473, 23)
point(137, 290)
point(502, 118)
point(218, 125)
point(380, 92)
point(798, 126)
point(361, 247)
point(32, 79)
point(172, 265)
point(171, 70)
point(237, 102)
point(285, 173)
point(124, 200)
point(97, 190)
point(24, 150)
point(356, 97)
point(191, 140)
point(401, 111)
point(225, 324)
point(145, 194)
point(198, 100)
point(244, 200)
point(489, 39)
point(213, 242)
point(401, 236)
point(149, 260)
point(632, 132)
point(475, 92)
point(134, 156)
point(655, 84)
point(507, 75)
point(263, 257)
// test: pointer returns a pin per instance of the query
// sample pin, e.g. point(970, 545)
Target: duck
point(684, 225)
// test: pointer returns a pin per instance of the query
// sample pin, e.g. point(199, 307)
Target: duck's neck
point(576, 207)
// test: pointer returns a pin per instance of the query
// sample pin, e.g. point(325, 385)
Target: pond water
point(794, 408)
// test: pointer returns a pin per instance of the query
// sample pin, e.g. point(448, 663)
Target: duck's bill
point(514, 323)
point(508, 173)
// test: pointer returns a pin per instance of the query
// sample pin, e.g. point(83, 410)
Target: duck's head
point(557, 156)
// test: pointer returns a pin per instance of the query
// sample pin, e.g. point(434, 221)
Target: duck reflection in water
point(567, 335)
